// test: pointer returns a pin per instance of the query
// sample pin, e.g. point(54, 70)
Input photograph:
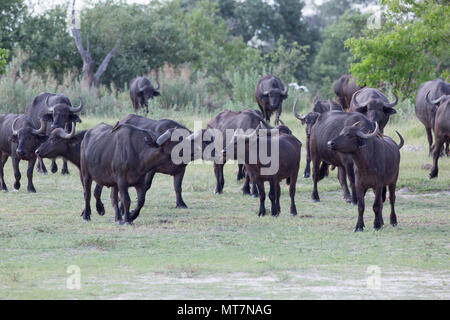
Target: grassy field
point(219, 248)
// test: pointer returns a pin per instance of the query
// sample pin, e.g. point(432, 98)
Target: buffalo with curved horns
point(425, 109)
point(374, 105)
point(141, 90)
point(57, 112)
point(270, 93)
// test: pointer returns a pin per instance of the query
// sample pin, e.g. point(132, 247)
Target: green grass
point(219, 248)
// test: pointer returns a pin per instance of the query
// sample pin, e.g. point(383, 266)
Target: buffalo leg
point(360, 193)
point(351, 178)
point(177, 184)
point(246, 187)
point(262, 198)
point(436, 153)
point(273, 198)
point(240, 173)
point(393, 216)
point(54, 166)
point(65, 169)
point(342, 177)
point(3, 159)
point(315, 175)
point(98, 200)
point(114, 202)
point(87, 185)
point(41, 166)
point(220, 182)
point(254, 190)
point(292, 186)
point(307, 172)
point(378, 208)
point(125, 201)
point(430, 139)
point(17, 175)
point(141, 192)
point(30, 169)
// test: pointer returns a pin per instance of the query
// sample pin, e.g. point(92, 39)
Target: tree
point(88, 76)
point(49, 45)
point(333, 59)
point(411, 47)
point(11, 16)
point(3, 56)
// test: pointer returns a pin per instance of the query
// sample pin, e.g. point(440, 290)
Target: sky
point(46, 4)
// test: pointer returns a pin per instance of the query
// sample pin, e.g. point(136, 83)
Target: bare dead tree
point(89, 77)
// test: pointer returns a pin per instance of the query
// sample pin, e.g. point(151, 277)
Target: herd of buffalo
point(347, 134)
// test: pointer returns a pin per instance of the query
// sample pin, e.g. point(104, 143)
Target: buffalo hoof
point(359, 229)
point(4, 188)
point(182, 206)
point(54, 168)
point(86, 215)
point(316, 200)
point(65, 171)
point(31, 189)
point(394, 221)
point(275, 214)
point(100, 208)
point(306, 175)
point(126, 223)
point(218, 191)
point(433, 174)
point(17, 185)
point(261, 213)
point(377, 226)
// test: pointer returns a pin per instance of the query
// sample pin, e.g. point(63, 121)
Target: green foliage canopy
point(412, 46)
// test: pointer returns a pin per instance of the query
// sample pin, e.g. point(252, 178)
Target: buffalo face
point(62, 114)
point(27, 140)
point(377, 110)
point(56, 144)
point(274, 97)
point(351, 139)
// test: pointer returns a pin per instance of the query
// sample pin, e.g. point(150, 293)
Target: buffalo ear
point(48, 117)
point(389, 110)
point(74, 118)
point(361, 109)
point(303, 121)
point(284, 96)
point(150, 141)
point(13, 139)
point(156, 93)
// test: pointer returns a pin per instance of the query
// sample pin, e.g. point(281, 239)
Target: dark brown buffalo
point(57, 111)
point(270, 93)
point(426, 111)
point(233, 120)
point(377, 160)
point(327, 126)
point(319, 106)
point(141, 90)
point(344, 88)
point(441, 129)
point(67, 145)
point(159, 127)
point(288, 162)
point(120, 157)
point(19, 138)
point(374, 105)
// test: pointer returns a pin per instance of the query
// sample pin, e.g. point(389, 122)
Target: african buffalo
point(374, 105)
point(426, 111)
point(120, 157)
point(286, 161)
point(141, 90)
point(441, 128)
point(160, 127)
point(19, 138)
point(67, 145)
point(344, 88)
point(377, 160)
point(233, 120)
point(319, 106)
point(57, 110)
point(326, 126)
point(270, 93)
